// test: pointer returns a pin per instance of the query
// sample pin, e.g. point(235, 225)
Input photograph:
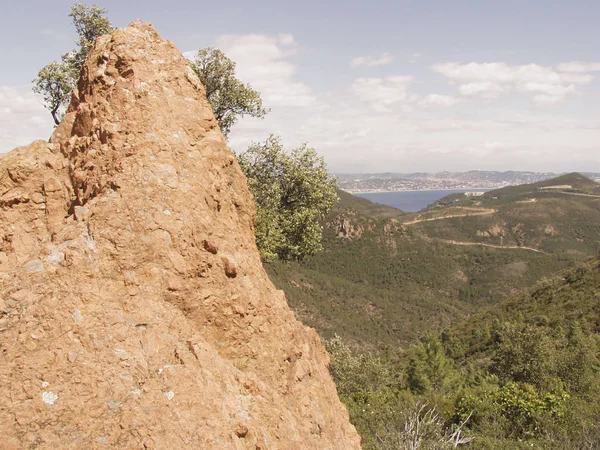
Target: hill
point(385, 182)
point(569, 184)
point(385, 276)
point(366, 207)
point(524, 373)
point(542, 348)
point(553, 216)
point(559, 303)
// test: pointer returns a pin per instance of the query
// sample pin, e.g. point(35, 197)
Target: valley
point(385, 276)
point(484, 308)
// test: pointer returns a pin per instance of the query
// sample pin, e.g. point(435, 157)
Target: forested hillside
point(522, 374)
point(385, 277)
point(475, 321)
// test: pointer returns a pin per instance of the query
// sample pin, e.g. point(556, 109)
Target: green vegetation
point(56, 81)
point(367, 207)
point(293, 193)
point(522, 374)
point(385, 413)
point(380, 283)
point(228, 96)
point(426, 324)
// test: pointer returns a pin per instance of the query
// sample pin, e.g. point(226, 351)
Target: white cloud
point(500, 72)
point(261, 60)
point(579, 67)
point(370, 61)
point(493, 145)
point(381, 93)
point(437, 101)
point(354, 139)
point(548, 93)
point(492, 79)
point(23, 119)
point(483, 89)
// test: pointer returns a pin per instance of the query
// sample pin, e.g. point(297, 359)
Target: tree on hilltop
point(56, 81)
point(293, 191)
point(228, 96)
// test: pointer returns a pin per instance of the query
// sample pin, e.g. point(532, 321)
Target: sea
point(412, 201)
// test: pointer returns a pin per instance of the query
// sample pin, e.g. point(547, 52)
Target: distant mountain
point(382, 182)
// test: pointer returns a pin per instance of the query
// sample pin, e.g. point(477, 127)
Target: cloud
point(548, 93)
point(355, 139)
point(23, 119)
point(483, 89)
point(493, 79)
point(381, 93)
point(370, 61)
point(500, 72)
point(579, 67)
point(437, 101)
point(262, 61)
point(372, 113)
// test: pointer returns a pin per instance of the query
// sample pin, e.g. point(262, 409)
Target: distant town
point(473, 180)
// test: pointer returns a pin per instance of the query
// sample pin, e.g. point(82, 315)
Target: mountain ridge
point(471, 180)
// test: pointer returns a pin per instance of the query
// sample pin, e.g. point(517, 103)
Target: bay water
point(412, 201)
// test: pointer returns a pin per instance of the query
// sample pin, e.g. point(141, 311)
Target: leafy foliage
point(430, 369)
point(522, 381)
point(90, 23)
point(293, 193)
point(56, 81)
point(384, 412)
point(228, 96)
point(520, 359)
point(514, 410)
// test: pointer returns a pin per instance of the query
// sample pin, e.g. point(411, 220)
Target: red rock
point(210, 247)
point(130, 306)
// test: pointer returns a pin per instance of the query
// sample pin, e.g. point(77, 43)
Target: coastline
point(424, 190)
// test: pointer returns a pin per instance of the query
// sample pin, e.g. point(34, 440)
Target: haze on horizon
point(395, 87)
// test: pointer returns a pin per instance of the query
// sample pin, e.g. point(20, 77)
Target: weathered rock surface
point(134, 310)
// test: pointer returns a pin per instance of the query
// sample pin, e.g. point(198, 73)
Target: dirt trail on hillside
point(475, 212)
point(549, 191)
point(483, 244)
point(580, 195)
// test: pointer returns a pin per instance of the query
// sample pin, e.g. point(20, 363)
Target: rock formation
point(134, 309)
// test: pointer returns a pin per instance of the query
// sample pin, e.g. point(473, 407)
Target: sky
point(378, 86)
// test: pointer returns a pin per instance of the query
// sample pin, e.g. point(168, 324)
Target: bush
point(293, 193)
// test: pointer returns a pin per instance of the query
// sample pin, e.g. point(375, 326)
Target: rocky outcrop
point(135, 312)
point(346, 226)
